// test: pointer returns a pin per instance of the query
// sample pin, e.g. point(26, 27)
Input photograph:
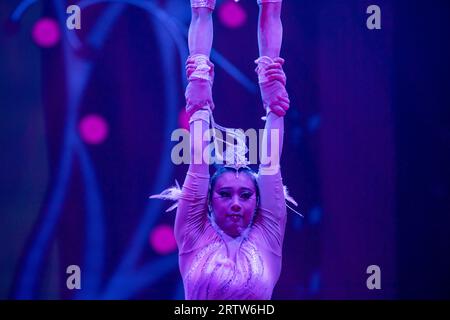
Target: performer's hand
point(273, 91)
point(198, 96)
point(275, 71)
point(191, 67)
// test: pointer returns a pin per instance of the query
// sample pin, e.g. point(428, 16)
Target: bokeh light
point(162, 239)
point(46, 32)
point(314, 123)
point(93, 129)
point(315, 215)
point(232, 15)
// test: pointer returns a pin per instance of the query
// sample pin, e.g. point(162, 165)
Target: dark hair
point(223, 169)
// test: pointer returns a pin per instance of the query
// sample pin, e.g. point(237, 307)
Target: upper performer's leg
point(270, 28)
point(270, 72)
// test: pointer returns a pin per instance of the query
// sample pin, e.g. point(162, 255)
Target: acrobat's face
point(233, 202)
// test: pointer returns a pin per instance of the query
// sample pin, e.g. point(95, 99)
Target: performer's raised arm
point(270, 223)
point(271, 77)
point(191, 215)
point(200, 74)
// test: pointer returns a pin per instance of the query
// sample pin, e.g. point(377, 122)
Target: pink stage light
point(93, 129)
point(232, 15)
point(46, 32)
point(162, 239)
point(183, 120)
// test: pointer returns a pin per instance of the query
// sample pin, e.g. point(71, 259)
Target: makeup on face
point(234, 202)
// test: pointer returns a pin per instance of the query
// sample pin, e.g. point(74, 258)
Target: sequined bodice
point(224, 270)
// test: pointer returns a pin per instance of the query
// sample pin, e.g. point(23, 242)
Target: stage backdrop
point(88, 115)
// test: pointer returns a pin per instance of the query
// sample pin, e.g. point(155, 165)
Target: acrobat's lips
point(235, 217)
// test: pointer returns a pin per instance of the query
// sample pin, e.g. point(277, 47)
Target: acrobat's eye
point(246, 195)
point(224, 194)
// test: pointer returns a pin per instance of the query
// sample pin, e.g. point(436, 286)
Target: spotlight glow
point(232, 15)
point(183, 120)
point(46, 32)
point(93, 129)
point(162, 239)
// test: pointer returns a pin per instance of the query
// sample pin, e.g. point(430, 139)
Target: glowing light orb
point(314, 123)
point(46, 32)
point(162, 239)
point(93, 129)
point(315, 215)
point(232, 15)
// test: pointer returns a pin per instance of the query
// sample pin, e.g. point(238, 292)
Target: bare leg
point(270, 29)
point(201, 31)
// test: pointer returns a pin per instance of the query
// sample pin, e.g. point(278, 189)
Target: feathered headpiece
point(235, 159)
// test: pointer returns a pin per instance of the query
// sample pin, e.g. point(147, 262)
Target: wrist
point(262, 63)
point(202, 68)
point(270, 70)
point(201, 114)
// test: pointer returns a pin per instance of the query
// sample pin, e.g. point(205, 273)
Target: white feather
point(288, 197)
point(173, 193)
point(291, 200)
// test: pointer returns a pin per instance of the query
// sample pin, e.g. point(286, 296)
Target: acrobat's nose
point(236, 207)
